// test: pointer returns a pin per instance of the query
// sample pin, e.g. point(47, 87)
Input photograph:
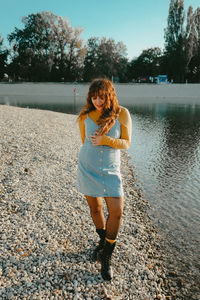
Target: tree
point(91, 58)
point(3, 58)
point(146, 65)
point(193, 45)
point(48, 47)
point(190, 40)
point(105, 58)
point(110, 57)
point(174, 42)
point(69, 50)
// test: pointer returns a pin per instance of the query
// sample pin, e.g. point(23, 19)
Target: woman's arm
point(126, 130)
point(81, 123)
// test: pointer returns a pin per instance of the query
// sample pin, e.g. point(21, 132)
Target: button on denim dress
point(99, 166)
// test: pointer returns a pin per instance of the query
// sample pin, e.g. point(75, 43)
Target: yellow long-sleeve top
point(126, 127)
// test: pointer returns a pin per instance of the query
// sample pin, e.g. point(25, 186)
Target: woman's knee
point(115, 207)
point(95, 204)
point(96, 209)
point(116, 213)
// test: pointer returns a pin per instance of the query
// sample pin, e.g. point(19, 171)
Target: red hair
point(104, 89)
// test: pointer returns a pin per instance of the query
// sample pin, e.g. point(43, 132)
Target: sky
point(139, 24)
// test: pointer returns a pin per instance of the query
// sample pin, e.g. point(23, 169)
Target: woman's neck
point(98, 112)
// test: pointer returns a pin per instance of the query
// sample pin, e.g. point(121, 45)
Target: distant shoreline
point(128, 94)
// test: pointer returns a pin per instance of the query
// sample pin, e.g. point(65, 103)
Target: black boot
point(99, 248)
point(106, 269)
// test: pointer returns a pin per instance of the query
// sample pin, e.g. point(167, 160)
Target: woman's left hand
point(96, 139)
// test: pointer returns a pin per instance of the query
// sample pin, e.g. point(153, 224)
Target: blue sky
point(139, 24)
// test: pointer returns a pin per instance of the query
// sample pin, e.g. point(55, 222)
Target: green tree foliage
point(193, 45)
point(49, 49)
point(105, 58)
point(174, 41)
point(46, 48)
point(3, 58)
point(91, 59)
point(190, 39)
point(146, 65)
point(182, 43)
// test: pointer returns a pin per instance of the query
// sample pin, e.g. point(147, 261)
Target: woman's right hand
point(96, 139)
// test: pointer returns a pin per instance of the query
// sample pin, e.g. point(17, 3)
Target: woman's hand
point(96, 139)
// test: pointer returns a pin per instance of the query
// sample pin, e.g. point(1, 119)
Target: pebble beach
point(46, 232)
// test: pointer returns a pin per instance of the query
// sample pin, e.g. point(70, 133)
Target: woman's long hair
point(104, 89)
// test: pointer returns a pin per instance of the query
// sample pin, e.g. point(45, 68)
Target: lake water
point(165, 151)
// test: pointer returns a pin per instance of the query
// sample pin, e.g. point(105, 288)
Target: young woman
point(105, 128)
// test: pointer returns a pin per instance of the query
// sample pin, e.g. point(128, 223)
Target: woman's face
point(98, 103)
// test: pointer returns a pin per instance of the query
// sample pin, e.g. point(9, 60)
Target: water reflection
point(166, 152)
point(68, 108)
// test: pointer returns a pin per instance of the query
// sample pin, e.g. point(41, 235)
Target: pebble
point(47, 232)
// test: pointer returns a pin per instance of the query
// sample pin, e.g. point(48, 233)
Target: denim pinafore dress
point(98, 172)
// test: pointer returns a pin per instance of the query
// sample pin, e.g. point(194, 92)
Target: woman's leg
point(115, 210)
point(96, 211)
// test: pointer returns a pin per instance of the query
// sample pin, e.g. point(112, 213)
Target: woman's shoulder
point(124, 116)
point(124, 113)
point(82, 117)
